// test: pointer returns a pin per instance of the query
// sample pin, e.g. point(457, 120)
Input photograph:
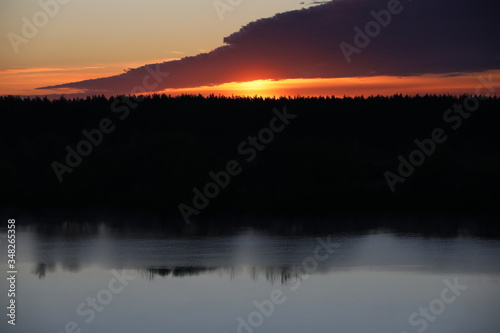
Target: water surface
point(370, 282)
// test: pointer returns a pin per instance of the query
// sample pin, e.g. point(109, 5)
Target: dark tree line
point(331, 158)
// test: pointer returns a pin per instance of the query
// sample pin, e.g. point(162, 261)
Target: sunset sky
point(293, 54)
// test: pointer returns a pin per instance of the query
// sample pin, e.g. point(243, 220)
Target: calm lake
point(94, 278)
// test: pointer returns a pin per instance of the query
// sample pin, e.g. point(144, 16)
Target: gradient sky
point(89, 39)
point(89, 32)
point(95, 38)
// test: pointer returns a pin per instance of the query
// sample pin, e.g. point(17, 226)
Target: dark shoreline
point(147, 224)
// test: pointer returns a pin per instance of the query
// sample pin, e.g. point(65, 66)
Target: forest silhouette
point(331, 159)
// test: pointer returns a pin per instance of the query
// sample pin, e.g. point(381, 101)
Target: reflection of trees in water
point(475, 225)
point(42, 268)
point(175, 272)
point(283, 275)
point(70, 229)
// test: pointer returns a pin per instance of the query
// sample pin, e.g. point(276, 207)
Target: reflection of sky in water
point(372, 283)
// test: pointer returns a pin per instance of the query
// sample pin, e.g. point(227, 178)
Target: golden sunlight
point(383, 85)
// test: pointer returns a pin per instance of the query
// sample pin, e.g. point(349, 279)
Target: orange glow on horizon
point(376, 85)
point(23, 81)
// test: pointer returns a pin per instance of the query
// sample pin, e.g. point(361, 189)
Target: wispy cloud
point(43, 69)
